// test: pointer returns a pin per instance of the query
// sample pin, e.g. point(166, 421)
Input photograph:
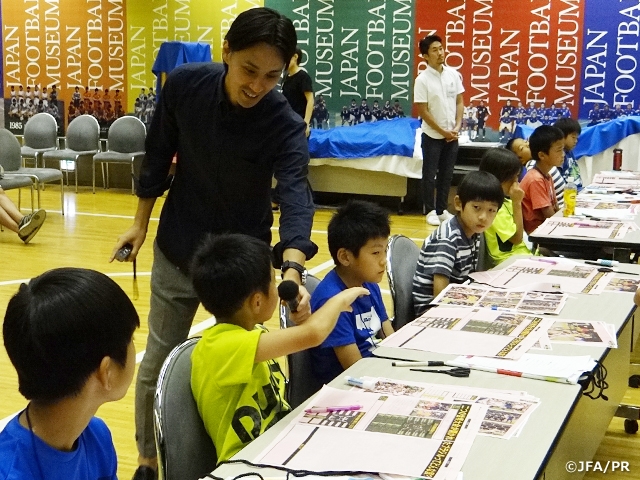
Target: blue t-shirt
point(93, 459)
point(359, 326)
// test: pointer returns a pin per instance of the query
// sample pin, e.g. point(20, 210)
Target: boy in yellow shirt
point(237, 384)
point(504, 236)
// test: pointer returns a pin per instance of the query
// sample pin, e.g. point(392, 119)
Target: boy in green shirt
point(236, 382)
point(504, 236)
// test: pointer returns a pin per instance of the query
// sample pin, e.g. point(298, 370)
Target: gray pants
point(173, 305)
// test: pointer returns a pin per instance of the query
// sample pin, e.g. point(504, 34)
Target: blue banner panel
point(610, 56)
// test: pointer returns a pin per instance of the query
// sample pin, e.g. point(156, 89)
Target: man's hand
point(450, 135)
point(135, 236)
point(304, 306)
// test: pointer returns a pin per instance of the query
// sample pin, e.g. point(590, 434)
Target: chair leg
point(104, 177)
point(75, 171)
point(19, 197)
point(36, 182)
point(32, 209)
point(62, 195)
point(132, 183)
point(107, 167)
point(94, 177)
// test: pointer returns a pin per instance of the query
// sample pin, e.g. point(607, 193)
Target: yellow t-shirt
point(498, 234)
point(237, 399)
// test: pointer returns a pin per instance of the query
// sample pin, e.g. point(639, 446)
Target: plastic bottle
point(570, 193)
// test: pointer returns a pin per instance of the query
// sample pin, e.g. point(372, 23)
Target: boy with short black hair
point(570, 168)
point(237, 384)
point(450, 253)
point(69, 334)
point(504, 237)
point(357, 235)
point(547, 149)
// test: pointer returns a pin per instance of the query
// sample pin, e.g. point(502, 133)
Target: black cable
point(595, 383)
point(289, 471)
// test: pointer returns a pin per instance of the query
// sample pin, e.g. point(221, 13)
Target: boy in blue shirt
point(504, 237)
point(236, 382)
point(69, 334)
point(570, 168)
point(358, 234)
point(450, 253)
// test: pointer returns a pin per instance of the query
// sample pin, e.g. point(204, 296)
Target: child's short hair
point(354, 224)
point(542, 138)
point(480, 186)
point(59, 327)
point(568, 126)
point(502, 163)
point(227, 269)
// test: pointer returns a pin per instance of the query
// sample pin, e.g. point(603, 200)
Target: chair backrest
point(10, 157)
point(485, 262)
point(83, 134)
point(402, 259)
point(302, 382)
point(127, 135)
point(41, 131)
point(185, 450)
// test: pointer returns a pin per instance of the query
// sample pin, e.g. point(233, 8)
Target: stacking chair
point(402, 259)
point(10, 159)
point(185, 450)
point(302, 382)
point(82, 142)
point(126, 145)
point(11, 182)
point(485, 262)
point(40, 135)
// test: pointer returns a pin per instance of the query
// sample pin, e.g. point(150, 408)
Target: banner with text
point(505, 50)
point(355, 50)
point(154, 22)
point(610, 70)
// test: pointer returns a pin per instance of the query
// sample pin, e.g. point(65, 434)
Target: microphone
point(288, 291)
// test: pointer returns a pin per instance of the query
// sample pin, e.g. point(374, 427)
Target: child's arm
point(312, 332)
point(387, 328)
point(440, 282)
point(548, 211)
point(350, 354)
point(517, 194)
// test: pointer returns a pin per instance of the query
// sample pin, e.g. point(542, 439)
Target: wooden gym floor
point(85, 236)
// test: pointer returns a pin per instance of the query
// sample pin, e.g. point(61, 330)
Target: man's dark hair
point(480, 187)
point(59, 327)
point(568, 126)
point(542, 138)
point(258, 25)
point(354, 224)
point(226, 269)
point(299, 53)
point(426, 42)
point(502, 163)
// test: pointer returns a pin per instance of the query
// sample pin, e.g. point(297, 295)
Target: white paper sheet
point(562, 274)
point(471, 331)
point(576, 227)
point(434, 437)
point(586, 333)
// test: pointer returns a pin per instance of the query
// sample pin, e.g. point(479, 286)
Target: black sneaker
point(145, 473)
point(30, 224)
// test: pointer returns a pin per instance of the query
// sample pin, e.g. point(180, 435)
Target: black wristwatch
point(287, 264)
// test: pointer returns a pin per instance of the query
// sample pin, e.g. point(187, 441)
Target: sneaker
point(30, 224)
point(433, 218)
point(145, 473)
point(444, 216)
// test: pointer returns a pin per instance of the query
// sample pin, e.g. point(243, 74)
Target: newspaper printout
point(577, 227)
point(483, 296)
point(548, 274)
point(508, 411)
point(434, 436)
point(471, 331)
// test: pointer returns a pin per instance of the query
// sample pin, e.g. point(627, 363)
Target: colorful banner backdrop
point(610, 54)
point(354, 49)
point(505, 50)
point(150, 23)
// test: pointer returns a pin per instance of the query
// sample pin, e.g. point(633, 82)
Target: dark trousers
point(438, 161)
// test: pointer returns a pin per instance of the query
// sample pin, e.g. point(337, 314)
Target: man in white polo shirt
point(438, 95)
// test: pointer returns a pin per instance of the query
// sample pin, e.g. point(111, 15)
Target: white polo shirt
point(439, 91)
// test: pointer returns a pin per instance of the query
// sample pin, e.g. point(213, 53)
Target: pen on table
point(536, 259)
point(604, 263)
point(333, 409)
point(511, 373)
point(430, 363)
